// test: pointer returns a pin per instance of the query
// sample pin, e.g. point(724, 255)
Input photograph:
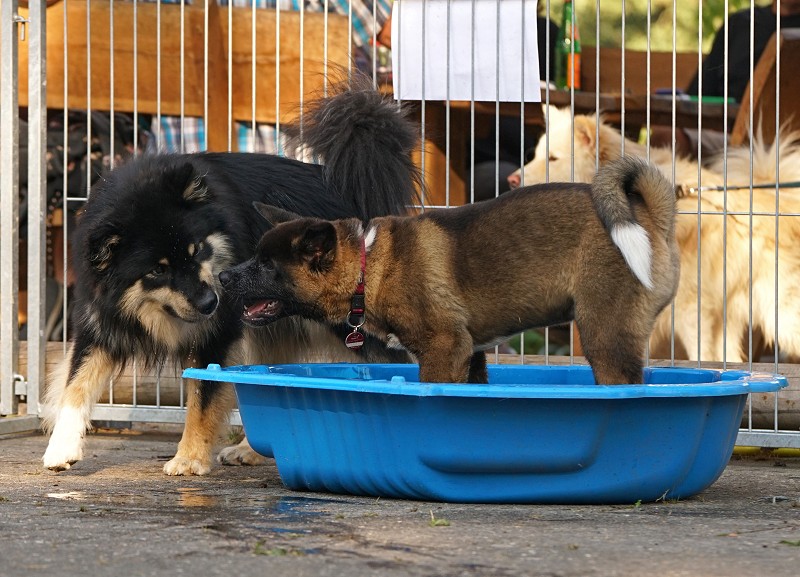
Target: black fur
point(140, 218)
point(138, 215)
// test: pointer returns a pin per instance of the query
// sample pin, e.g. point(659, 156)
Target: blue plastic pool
point(544, 434)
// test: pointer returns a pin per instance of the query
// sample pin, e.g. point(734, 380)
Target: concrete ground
point(116, 513)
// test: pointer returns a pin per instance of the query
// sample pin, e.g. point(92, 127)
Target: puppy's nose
point(225, 277)
point(514, 180)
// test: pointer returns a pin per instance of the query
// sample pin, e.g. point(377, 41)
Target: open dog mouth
point(262, 311)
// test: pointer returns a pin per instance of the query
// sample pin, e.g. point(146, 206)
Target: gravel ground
point(116, 513)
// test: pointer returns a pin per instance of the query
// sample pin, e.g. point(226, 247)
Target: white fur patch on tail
point(633, 242)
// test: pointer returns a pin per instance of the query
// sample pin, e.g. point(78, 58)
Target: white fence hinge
point(20, 386)
point(22, 22)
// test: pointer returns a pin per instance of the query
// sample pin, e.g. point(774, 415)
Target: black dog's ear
point(101, 246)
point(192, 184)
point(318, 245)
point(274, 215)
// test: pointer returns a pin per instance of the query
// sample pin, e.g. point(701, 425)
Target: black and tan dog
point(156, 232)
point(449, 283)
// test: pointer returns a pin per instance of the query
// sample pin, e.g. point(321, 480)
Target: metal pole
point(9, 207)
point(37, 201)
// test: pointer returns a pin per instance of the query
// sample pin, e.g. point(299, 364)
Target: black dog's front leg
point(208, 406)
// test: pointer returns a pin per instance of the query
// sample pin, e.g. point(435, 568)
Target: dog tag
point(354, 340)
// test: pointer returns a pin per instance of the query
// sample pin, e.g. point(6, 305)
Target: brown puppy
point(449, 283)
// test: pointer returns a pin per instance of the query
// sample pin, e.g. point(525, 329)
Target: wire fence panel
point(95, 83)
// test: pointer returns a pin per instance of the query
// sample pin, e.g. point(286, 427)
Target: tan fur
point(705, 240)
point(241, 454)
point(446, 286)
point(294, 340)
point(97, 368)
point(68, 410)
point(200, 433)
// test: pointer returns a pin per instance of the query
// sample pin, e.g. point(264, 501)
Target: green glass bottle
point(568, 51)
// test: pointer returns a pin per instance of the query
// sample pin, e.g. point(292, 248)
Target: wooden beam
point(768, 95)
point(318, 31)
point(173, 85)
point(636, 77)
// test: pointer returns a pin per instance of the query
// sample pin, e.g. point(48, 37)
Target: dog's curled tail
point(365, 140)
point(612, 188)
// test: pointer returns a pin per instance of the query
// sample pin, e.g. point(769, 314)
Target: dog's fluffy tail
point(611, 189)
point(365, 141)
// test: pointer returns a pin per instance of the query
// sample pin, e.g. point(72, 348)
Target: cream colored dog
point(715, 249)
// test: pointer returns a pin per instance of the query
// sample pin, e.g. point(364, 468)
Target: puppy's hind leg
point(618, 365)
point(615, 353)
point(477, 368)
point(73, 390)
point(240, 454)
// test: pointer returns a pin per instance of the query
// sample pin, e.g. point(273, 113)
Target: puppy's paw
point(241, 454)
point(183, 466)
point(66, 443)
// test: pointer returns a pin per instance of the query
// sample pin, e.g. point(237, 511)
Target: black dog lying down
point(156, 232)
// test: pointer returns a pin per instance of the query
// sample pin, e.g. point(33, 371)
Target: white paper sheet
point(477, 65)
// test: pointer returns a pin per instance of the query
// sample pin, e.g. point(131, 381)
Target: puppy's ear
point(317, 246)
point(274, 215)
point(101, 246)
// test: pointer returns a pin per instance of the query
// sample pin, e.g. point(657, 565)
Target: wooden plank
point(182, 88)
point(765, 96)
point(80, 69)
point(317, 30)
point(635, 70)
point(88, 68)
point(146, 393)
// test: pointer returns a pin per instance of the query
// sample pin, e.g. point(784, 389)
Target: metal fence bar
point(9, 208)
point(19, 424)
point(768, 439)
point(148, 414)
point(37, 202)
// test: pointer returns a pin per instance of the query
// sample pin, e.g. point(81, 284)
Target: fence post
point(37, 201)
point(9, 208)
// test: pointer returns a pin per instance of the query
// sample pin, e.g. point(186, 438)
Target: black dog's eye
point(268, 265)
point(201, 250)
point(157, 270)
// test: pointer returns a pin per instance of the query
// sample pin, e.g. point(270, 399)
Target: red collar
point(356, 317)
